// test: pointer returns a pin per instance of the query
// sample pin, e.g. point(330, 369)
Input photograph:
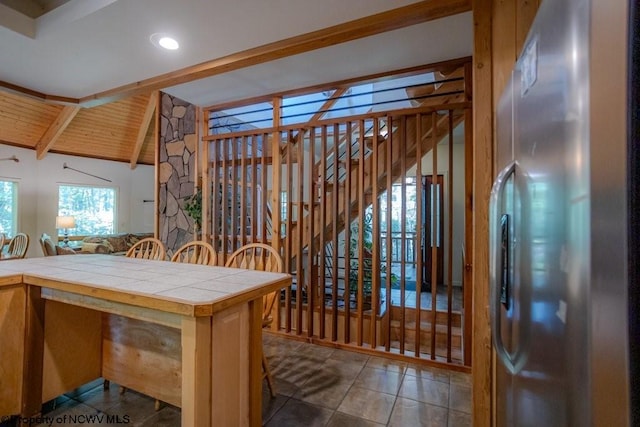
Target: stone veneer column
point(178, 144)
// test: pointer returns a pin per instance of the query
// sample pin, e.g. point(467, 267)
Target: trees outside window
point(94, 208)
point(8, 207)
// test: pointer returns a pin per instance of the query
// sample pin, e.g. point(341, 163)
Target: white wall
point(38, 182)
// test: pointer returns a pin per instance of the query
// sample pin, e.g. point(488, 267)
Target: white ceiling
point(84, 47)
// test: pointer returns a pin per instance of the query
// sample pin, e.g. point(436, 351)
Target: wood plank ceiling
point(109, 131)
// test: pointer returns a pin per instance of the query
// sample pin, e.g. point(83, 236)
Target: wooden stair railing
point(441, 128)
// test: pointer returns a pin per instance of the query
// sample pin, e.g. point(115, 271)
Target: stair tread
point(424, 326)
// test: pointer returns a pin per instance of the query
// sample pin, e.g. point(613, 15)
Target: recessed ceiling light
point(164, 41)
point(168, 43)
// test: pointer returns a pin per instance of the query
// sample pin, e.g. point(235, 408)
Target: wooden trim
point(312, 280)
point(34, 353)
point(346, 203)
point(289, 242)
point(55, 130)
point(255, 362)
point(424, 11)
point(264, 193)
point(243, 190)
point(300, 278)
point(40, 96)
point(196, 340)
point(361, 210)
point(468, 229)
point(276, 189)
point(403, 232)
point(156, 176)
point(373, 352)
point(450, 239)
point(434, 228)
point(375, 211)
point(335, 197)
point(322, 192)
point(388, 170)
point(234, 196)
point(144, 126)
point(419, 231)
point(205, 183)
point(482, 176)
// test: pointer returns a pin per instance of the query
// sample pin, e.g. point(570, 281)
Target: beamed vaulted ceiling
point(82, 76)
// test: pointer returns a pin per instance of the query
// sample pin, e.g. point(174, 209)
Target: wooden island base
point(202, 356)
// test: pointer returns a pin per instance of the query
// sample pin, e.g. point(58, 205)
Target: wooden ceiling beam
point(144, 127)
point(416, 13)
point(55, 130)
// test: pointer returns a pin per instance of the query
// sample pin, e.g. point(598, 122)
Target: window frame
point(116, 196)
point(15, 206)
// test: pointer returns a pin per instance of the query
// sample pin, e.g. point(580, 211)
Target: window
point(94, 208)
point(8, 207)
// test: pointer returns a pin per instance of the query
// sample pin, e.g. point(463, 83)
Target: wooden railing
point(325, 203)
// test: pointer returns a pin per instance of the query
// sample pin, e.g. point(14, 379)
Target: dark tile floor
point(316, 386)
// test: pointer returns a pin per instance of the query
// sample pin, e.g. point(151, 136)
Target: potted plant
point(366, 263)
point(193, 207)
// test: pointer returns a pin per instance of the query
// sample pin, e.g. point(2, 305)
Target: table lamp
point(65, 222)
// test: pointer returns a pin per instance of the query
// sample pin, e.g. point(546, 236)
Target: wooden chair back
point(259, 256)
point(2, 241)
point(197, 252)
point(47, 245)
point(18, 246)
point(149, 248)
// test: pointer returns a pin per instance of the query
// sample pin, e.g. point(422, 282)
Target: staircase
point(331, 171)
point(441, 333)
point(404, 137)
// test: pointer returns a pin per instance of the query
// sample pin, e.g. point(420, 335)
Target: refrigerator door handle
point(498, 289)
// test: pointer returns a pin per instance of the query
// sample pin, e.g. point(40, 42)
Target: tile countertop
point(188, 289)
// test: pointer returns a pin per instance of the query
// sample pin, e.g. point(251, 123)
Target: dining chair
point(18, 246)
point(259, 256)
point(2, 241)
point(197, 252)
point(149, 248)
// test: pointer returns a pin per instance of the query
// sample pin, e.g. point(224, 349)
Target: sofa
point(114, 244)
point(51, 249)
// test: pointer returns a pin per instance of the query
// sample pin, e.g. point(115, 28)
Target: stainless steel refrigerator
point(565, 222)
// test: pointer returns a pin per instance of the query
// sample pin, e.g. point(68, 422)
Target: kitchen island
point(189, 335)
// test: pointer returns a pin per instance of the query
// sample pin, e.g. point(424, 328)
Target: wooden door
point(433, 229)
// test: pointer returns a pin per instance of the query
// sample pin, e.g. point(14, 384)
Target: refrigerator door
point(543, 379)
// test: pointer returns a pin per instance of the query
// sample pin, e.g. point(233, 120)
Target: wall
point(177, 149)
point(38, 182)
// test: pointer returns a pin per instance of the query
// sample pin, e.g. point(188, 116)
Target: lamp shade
point(65, 222)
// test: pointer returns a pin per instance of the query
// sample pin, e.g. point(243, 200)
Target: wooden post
point(419, 225)
point(482, 177)
point(434, 232)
